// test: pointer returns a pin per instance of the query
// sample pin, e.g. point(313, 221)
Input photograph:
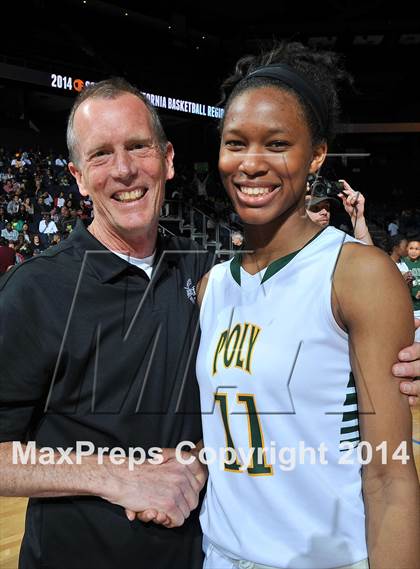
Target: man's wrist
point(360, 228)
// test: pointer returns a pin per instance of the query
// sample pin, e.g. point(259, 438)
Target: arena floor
point(12, 512)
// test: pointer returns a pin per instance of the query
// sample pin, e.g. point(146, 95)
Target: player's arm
point(372, 301)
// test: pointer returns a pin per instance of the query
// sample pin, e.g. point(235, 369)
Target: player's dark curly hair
point(324, 69)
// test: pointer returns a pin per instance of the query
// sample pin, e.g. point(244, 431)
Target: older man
point(106, 358)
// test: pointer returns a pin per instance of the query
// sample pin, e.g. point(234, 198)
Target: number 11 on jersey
point(258, 465)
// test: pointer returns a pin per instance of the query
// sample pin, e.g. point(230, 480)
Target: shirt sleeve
point(24, 373)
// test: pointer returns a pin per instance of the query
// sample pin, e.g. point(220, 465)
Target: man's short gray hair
point(111, 89)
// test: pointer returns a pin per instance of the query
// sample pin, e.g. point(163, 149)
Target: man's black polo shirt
point(92, 350)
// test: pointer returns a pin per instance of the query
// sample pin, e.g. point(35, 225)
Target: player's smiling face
point(120, 164)
point(266, 153)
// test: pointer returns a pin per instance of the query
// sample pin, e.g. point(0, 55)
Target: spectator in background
point(22, 213)
point(60, 162)
point(393, 228)
point(9, 233)
point(237, 240)
point(73, 215)
point(38, 182)
point(66, 222)
point(28, 206)
point(8, 175)
point(412, 262)
point(397, 249)
point(17, 163)
point(26, 160)
point(7, 256)
point(3, 219)
point(37, 246)
point(26, 233)
point(318, 209)
point(8, 186)
point(59, 201)
point(48, 200)
point(56, 238)
point(47, 228)
point(13, 206)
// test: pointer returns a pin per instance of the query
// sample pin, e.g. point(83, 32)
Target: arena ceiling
point(186, 48)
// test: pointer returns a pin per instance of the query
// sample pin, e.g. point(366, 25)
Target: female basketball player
point(298, 336)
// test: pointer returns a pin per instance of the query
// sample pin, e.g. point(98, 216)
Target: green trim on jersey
point(273, 268)
point(351, 400)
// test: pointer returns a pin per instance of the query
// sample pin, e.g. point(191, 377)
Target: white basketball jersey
point(274, 374)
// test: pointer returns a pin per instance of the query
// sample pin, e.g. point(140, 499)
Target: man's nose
point(124, 165)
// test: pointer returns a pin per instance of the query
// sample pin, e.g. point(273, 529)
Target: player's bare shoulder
point(357, 259)
point(365, 277)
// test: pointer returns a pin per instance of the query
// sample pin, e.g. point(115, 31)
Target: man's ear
point(169, 159)
point(77, 174)
point(318, 156)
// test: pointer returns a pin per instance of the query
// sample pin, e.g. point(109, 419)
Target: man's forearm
point(49, 480)
point(392, 523)
point(167, 485)
point(361, 231)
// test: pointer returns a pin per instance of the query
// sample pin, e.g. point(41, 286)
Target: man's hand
point(161, 518)
point(409, 368)
point(353, 202)
point(170, 487)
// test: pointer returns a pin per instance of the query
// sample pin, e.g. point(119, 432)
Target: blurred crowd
point(40, 205)
point(39, 202)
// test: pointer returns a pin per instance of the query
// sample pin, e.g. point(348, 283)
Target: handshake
point(164, 493)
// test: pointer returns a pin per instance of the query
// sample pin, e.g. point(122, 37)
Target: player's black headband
point(300, 84)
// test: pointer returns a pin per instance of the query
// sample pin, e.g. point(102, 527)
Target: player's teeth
point(129, 196)
point(255, 191)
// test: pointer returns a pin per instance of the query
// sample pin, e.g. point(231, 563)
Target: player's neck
point(275, 240)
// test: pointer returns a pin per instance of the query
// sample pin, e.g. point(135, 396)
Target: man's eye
point(100, 153)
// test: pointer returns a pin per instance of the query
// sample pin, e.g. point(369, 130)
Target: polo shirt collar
point(101, 260)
